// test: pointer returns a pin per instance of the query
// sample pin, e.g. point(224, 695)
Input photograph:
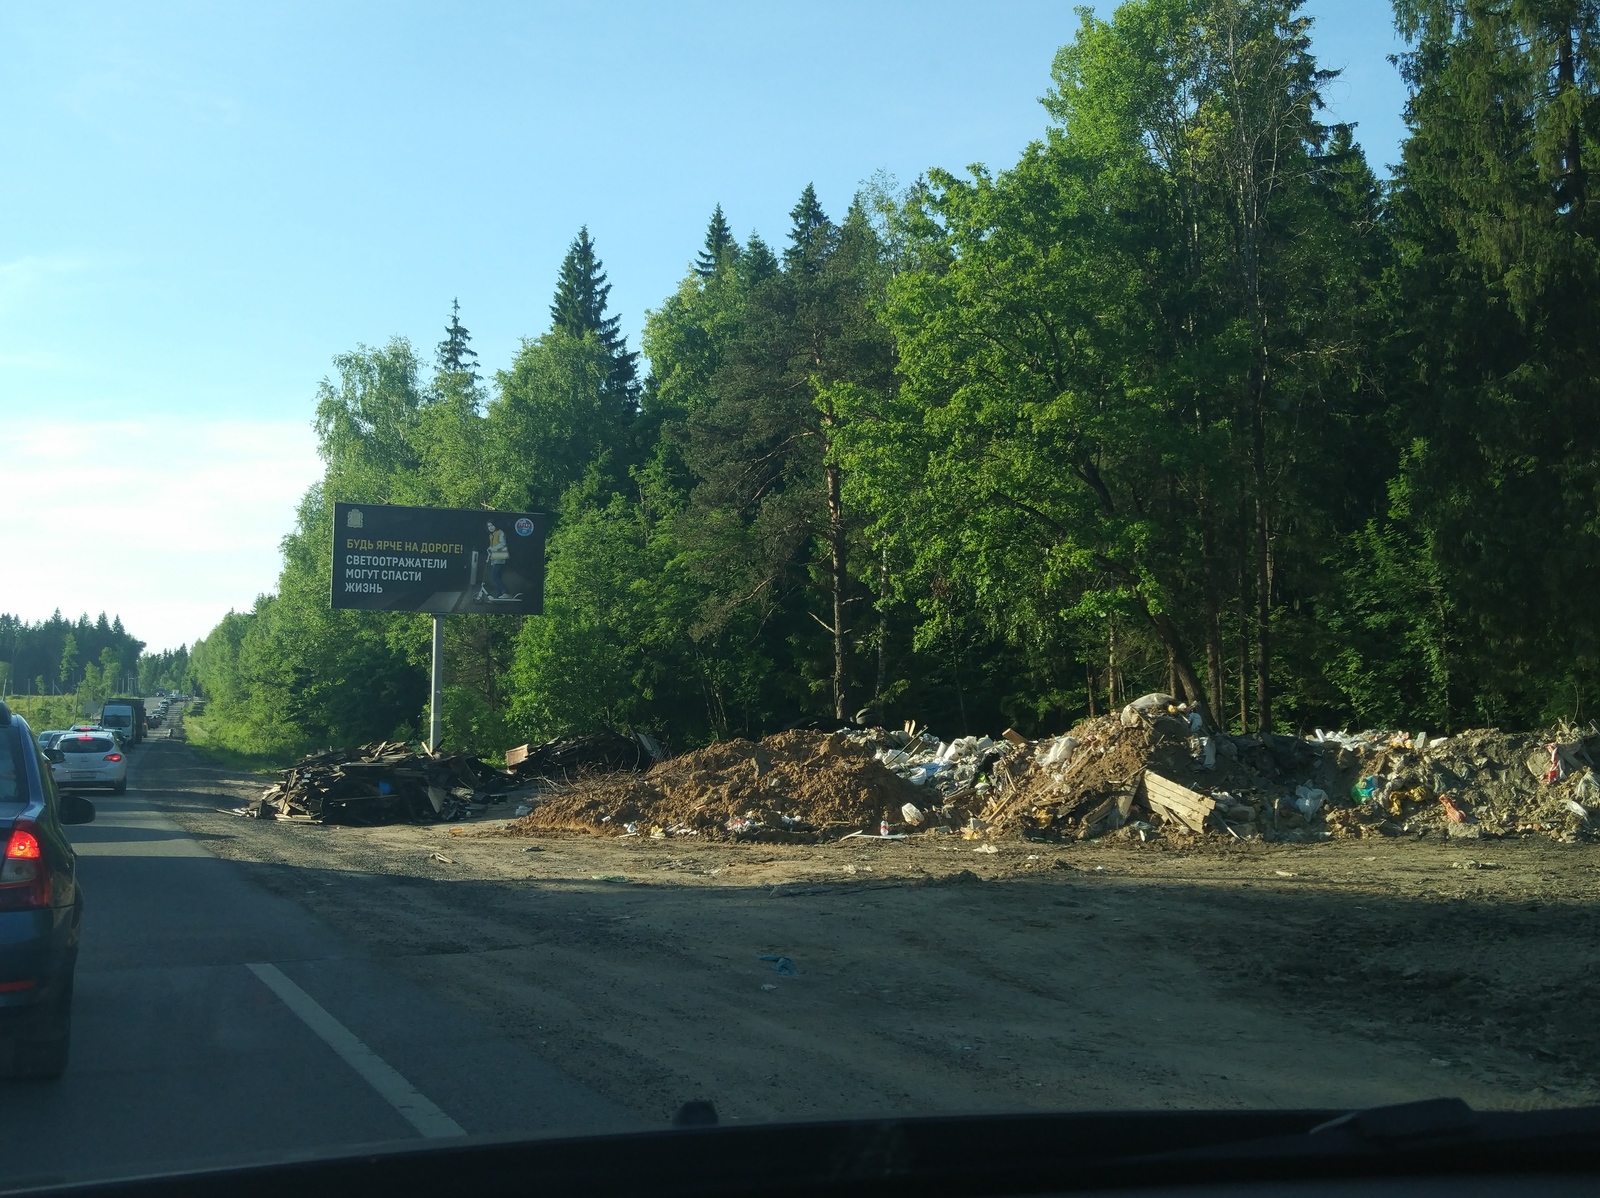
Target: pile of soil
point(794, 786)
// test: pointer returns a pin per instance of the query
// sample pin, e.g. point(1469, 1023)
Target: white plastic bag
point(1308, 800)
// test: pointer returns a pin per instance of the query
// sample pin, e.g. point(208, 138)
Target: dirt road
point(930, 977)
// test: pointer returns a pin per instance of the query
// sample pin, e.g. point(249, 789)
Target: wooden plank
point(517, 755)
point(1097, 813)
point(1189, 807)
point(1167, 815)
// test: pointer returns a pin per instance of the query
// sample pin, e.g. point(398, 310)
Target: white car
point(84, 758)
point(122, 736)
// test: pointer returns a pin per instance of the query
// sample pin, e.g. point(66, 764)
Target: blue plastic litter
point(779, 964)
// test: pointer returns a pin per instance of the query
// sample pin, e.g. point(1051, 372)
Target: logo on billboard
point(524, 527)
point(354, 519)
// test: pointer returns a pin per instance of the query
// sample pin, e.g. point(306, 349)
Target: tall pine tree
point(580, 307)
point(720, 248)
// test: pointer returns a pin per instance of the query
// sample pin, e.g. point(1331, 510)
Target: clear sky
point(202, 204)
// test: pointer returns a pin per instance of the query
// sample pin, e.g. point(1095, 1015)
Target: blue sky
point(204, 203)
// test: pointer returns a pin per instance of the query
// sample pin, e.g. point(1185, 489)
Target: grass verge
point(203, 740)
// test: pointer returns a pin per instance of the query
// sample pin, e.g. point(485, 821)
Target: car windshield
point(80, 744)
point(650, 563)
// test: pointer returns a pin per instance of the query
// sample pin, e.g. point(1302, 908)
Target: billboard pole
point(434, 715)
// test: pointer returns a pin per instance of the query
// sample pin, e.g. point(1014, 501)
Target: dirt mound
point(792, 786)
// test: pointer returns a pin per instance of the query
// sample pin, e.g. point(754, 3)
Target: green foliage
point(1183, 398)
point(554, 415)
point(45, 712)
point(1495, 299)
point(90, 659)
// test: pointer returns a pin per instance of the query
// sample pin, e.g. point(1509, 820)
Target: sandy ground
point(933, 978)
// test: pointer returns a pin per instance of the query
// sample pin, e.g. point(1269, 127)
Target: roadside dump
point(391, 782)
point(1152, 773)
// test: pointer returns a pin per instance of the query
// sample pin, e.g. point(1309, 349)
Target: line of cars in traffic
point(95, 756)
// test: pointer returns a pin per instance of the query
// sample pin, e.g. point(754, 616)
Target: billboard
point(388, 558)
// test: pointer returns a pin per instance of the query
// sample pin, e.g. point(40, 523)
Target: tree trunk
point(1574, 189)
point(1111, 671)
point(883, 629)
point(1244, 625)
point(1258, 455)
point(1193, 692)
point(1213, 613)
point(1088, 678)
point(838, 579)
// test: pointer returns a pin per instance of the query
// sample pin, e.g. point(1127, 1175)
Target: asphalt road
point(214, 1021)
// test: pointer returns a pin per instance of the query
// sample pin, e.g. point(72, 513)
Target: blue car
point(41, 908)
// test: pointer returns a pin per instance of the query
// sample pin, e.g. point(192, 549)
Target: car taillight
point(23, 846)
point(24, 879)
point(113, 756)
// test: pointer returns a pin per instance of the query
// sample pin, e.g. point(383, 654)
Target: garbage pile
point(797, 786)
point(1479, 782)
point(957, 770)
point(565, 757)
point(1151, 772)
point(379, 784)
point(1155, 771)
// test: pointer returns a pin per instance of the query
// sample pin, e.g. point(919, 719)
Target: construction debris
point(1170, 801)
point(565, 757)
point(1153, 770)
point(797, 786)
point(1149, 772)
point(378, 784)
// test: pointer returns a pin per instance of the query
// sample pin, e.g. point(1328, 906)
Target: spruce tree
point(810, 234)
point(757, 262)
point(580, 307)
point(720, 247)
point(455, 353)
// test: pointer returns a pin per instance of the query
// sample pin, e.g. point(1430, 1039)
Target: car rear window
point(116, 719)
point(84, 744)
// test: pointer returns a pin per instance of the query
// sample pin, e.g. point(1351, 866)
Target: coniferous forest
point(1187, 398)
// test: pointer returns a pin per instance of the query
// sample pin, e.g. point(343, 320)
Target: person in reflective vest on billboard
point(499, 555)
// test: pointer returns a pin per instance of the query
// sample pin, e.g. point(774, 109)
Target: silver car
point(84, 759)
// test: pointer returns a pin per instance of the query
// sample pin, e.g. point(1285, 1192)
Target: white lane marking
point(428, 1119)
